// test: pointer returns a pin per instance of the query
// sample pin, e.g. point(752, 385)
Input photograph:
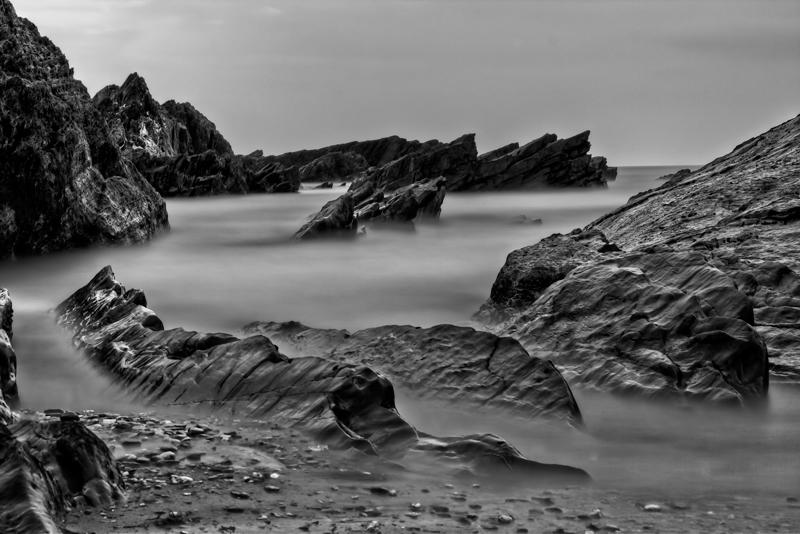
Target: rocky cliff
point(689, 290)
point(63, 180)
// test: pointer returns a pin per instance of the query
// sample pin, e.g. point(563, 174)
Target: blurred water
point(229, 260)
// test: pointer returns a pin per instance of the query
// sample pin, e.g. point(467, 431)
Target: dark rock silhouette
point(63, 181)
point(9, 395)
point(338, 402)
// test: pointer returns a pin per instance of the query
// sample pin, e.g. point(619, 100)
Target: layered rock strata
point(689, 290)
point(339, 402)
point(63, 181)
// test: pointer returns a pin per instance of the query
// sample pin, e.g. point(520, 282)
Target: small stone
point(505, 519)
point(239, 494)
point(69, 417)
point(271, 489)
point(652, 508)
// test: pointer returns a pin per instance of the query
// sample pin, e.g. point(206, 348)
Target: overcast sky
point(655, 82)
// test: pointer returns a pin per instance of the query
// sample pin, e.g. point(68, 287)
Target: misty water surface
point(229, 260)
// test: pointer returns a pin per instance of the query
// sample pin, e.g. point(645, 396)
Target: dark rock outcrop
point(418, 201)
point(444, 363)
point(63, 181)
point(344, 404)
point(706, 290)
point(334, 219)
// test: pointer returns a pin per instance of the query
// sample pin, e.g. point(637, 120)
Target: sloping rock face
point(63, 181)
point(344, 404)
point(444, 363)
point(704, 301)
point(742, 212)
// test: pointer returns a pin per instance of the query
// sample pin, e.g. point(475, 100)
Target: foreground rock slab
point(445, 363)
point(343, 404)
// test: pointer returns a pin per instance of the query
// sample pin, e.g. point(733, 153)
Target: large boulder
point(342, 403)
point(63, 180)
point(417, 201)
point(664, 325)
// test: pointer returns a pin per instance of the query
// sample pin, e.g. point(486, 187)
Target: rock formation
point(444, 363)
point(339, 402)
point(689, 290)
point(179, 150)
point(44, 467)
point(420, 177)
point(334, 219)
point(63, 181)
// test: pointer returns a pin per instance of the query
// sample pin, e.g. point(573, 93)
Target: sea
point(231, 260)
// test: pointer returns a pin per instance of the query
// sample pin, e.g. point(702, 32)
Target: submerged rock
point(63, 181)
point(336, 401)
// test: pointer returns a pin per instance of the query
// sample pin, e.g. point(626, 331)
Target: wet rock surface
point(64, 182)
point(445, 363)
point(343, 404)
point(704, 264)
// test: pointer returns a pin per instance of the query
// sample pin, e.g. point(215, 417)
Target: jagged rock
point(657, 325)
point(334, 219)
point(338, 403)
point(138, 123)
point(333, 166)
point(63, 181)
point(443, 363)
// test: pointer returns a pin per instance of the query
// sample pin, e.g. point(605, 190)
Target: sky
point(657, 82)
